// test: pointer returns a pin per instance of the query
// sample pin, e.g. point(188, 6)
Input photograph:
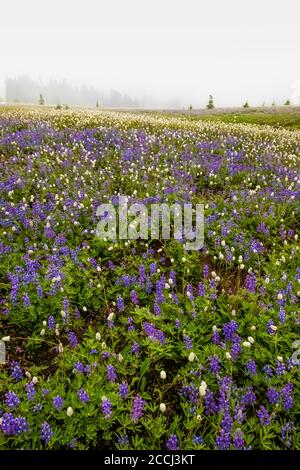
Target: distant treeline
point(25, 90)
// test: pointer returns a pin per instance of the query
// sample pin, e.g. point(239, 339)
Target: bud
point(69, 411)
point(163, 375)
point(191, 357)
point(6, 339)
point(246, 344)
point(98, 336)
point(162, 407)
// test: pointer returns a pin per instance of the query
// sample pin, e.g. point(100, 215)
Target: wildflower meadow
point(110, 343)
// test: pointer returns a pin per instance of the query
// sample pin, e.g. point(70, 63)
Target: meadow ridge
point(122, 344)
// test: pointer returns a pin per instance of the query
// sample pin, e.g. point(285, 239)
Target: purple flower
point(58, 402)
point(16, 371)
point(106, 408)
point(123, 390)
point(286, 394)
point(198, 440)
point(188, 343)
point(280, 368)
point(223, 440)
point(249, 397)
point(251, 367)
point(12, 400)
point(72, 339)
point(137, 408)
point(83, 395)
point(264, 416)
point(123, 440)
point(172, 442)
point(135, 348)
point(250, 282)
point(12, 426)
point(46, 432)
point(229, 330)
point(238, 440)
point(120, 304)
point(273, 395)
point(270, 328)
point(30, 391)
point(177, 323)
point(51, 322)
point(134, 297)
point(211, 407)
point(214, 364)
point(111, 373)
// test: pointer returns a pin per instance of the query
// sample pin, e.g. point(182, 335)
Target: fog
point(158, 53)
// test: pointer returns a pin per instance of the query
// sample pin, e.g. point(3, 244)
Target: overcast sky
point(185, 49)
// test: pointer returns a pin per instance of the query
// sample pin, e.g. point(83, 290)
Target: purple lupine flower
point(79, 367)
point(206, 270)
point(137, 408)
point(223, 440)
point(16, 371)
point(152, 268)
point(72, 339)
point(236, 348)
point(188, 343)
point(37, 408)
point(201, 289)
point(285, 430)
point(286, 394)
point(83, 395)
point(280, 368)
point(251, 367)
point(216, 339)
point(189, 291)
point(105, 355)
point(12, 400)
point(214, 364)
point(30, 391)
point(51, 322)
point(12, 426)
point(45, 392)
point(156, 309)
point(123, 440)
point(229, 330)
point(211, 407)
point(264, 416)
point(238, 440)
point(58, 402)
point(123, 390)
point(111, 373)
point(270, 328)
point(120, 304)
point(153, 333)
point(250, 282)
point(135, 348)
point(198, 440)
point(273, 395)
point(172, 443)
point(130, 324)
point(106, 408)
point(282, 316)
point(46, 432)
point(26, 300)
point(240, 413)
point(134, 297)
point(268, 370)
point(177, 323)
point(249, 397)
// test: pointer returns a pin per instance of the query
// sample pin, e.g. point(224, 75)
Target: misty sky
point(168, 49)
